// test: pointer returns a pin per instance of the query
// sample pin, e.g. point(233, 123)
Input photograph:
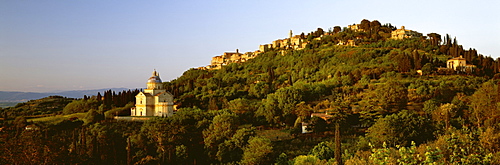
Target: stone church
point(154, 101)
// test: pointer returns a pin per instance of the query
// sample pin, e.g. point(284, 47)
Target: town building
point(229, 58)
point(355, 27)
point(459, 64)
point(154, 100)
point(403, 33)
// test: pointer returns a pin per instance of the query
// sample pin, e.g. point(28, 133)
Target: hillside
point(38, 107)
point(367, 93)
point(6, 96)
point(371, 84)
point(109, 100)
point(326, 64)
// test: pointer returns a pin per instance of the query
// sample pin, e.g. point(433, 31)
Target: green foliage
point(36, 108)
point(181, 153)
point(462, 147)
point(93, 116)
point(222, 128)
point(381, 156)
point(323, 151)
point(490, 140)
point(279, 105)
point(401, 129)
point(433, 156)
point(428, 69)
point(119, 111)
point(392, 95)
point(282, 160)
point(257, 151)
point(81, 105)
point(485, 105)
point(165, 134)
point(408, 155)
point(430, 106)
point(318, 125)
point(445, 113)
point(231, 150)
point(405, 155)
point(58, 118)
point(310, 160)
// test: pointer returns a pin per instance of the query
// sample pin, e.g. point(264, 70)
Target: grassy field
point(57, 118)
point(274, 135)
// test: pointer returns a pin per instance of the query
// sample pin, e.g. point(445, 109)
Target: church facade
point(154, 100)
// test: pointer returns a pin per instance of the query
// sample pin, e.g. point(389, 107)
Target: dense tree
point(445, 113)
point(318, 125)
point(427, 69)
point(434, 38)
point(223, 126)
point(282, 159)
point(244, 108)
point(322, 151)
point(78, 106)
point(404, 61)
point(401, 129)
point(278, 107)
point(319, 32)
point(93, 116)
point(232, 149)
point(310, 159)
point(485, 105)
point(257, 151)
point(392, 95)
point(337, 29)
point(365, 25)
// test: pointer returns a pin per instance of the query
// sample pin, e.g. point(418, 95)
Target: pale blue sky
point(48, 45)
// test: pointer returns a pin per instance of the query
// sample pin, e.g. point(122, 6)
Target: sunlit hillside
point(368, 93)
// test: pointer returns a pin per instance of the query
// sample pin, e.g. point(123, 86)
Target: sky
point(54, 45)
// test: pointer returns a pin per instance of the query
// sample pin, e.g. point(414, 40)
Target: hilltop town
point(298, 42)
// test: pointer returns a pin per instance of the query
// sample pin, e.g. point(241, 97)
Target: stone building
point(355, 27)
point(154, 101)
point(263, 48)
point(459, 64)
point(225, 59)
point(292, 42)
point(230, 57)
point(404, 33)
point(217, 60)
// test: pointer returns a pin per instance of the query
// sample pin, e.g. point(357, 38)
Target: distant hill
point(42, 106)
point(8, 96)
point(20, 96)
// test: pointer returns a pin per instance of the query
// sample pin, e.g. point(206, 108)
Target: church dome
point(155, 78)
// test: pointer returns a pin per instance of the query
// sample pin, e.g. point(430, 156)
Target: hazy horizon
point(80, 45)
point(59, 91)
